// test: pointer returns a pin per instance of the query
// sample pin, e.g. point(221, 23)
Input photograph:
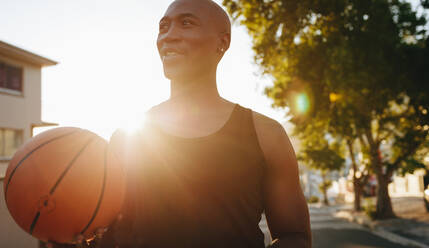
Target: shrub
point(369, 208)
point(313, 199)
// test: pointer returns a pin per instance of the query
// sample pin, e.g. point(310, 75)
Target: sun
point(133, 123)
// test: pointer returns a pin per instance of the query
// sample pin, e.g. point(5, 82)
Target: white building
point(408, 185)
point(20, 112)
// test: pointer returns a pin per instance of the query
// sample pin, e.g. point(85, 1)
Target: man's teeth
point(168, 54)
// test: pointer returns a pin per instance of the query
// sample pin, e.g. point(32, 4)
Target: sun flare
point(133, 123)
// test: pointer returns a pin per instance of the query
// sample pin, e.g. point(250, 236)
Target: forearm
point(293, 240)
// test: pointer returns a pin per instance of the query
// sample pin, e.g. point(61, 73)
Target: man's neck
point(201, 91)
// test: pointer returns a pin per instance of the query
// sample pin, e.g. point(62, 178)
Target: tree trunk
point(323, 186)
point(358, 194)
point(384, 208)
point(357, 185)
point(384, 205)
point(325, 196)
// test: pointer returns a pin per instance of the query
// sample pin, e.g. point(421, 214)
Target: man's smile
point(170, 54)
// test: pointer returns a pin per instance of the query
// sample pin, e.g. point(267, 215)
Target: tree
point(360, 175)
point(323, 154)
point(356, 65)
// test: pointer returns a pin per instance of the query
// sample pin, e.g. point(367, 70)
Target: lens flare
point(302, 103)
point(133, 124)
point(333, 97)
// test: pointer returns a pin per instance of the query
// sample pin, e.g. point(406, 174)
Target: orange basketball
point(64, 182)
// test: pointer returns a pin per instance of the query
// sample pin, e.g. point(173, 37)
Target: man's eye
point(186, 22)
point(163, 26)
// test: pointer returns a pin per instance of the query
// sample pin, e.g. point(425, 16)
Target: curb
point(379, 231)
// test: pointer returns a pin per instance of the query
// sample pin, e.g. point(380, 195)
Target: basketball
point(64, 182)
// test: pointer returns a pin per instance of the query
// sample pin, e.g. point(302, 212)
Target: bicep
point(285, 206)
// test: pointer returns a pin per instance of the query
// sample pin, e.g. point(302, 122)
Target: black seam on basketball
point(70, 165)
point(100, 199)
point(27, 155)
point(33, 224)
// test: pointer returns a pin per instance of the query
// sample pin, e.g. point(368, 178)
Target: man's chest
point(191, 124)
point(211, 162)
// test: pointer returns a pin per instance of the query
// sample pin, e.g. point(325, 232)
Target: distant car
point(426, 198)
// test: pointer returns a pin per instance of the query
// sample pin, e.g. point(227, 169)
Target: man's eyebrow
point(188, 15)
point(163, 19)
point(180, 16)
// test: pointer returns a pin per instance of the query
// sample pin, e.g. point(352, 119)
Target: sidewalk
point(411, 227)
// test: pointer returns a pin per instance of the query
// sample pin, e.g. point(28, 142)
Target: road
point(331, 232)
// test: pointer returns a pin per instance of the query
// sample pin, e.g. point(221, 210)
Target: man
point(204, 169)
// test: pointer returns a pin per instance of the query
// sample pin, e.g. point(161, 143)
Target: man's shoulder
point(273, 140)
point(155, 110)
point(266, 126)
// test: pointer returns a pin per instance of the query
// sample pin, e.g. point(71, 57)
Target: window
point(10, 141)
point(10, 78)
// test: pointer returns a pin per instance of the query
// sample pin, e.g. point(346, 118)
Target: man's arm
point(285, 206)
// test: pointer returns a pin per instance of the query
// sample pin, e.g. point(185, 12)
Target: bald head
point(193, 37)
point(220, 14)
point(219, 17)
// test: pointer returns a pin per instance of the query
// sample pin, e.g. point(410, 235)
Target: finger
point(80, 241)
point(100, 232)
point(98, 237)
point(275, 244)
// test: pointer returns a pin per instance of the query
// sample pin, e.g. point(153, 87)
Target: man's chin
point(174, 74)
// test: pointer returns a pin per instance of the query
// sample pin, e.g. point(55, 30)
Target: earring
point(222, 49)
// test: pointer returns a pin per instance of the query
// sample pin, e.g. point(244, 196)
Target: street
point(331, 232)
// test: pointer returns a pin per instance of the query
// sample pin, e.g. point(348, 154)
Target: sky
point(109, 71)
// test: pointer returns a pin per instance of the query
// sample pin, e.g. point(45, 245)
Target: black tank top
point(193, 192)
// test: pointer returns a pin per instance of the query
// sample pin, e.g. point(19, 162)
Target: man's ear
point(224, 41)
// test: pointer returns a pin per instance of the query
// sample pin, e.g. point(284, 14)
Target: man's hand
point(80, 242)
point(274, 244)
